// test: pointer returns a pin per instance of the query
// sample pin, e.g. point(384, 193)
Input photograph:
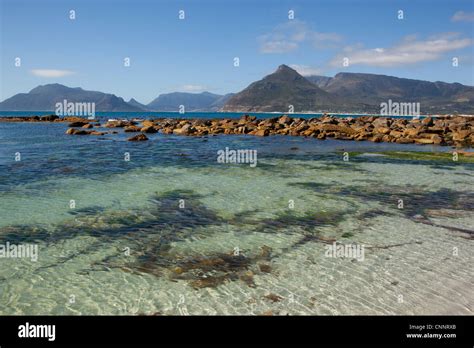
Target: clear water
point(236, 247)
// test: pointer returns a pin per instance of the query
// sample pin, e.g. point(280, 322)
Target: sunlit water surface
point(174, 232)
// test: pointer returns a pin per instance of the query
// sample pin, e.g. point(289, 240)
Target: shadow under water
point(179, 215)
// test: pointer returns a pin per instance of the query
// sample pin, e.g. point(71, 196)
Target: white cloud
point(193, 88)
point(289, 36)
point(306, 70)
point(51, 73)
point(324, 38)
point(278, 47)
point(462, 16)
point(409, 51)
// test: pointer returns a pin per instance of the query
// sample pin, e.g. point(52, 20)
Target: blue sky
point(197, 53)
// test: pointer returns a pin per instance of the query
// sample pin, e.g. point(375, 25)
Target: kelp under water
point(241, 240)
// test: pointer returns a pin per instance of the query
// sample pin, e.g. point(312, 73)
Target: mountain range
point(286, 88)
point(204, 101)
point(348, 92)
point(277, 92)
point(45, 97)
point(434, 97)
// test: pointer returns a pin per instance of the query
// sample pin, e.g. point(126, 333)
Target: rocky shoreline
point(445, 130)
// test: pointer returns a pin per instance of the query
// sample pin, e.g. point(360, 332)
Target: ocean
point(161, 227)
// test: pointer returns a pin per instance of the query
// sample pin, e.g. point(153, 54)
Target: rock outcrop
point(444, 130)
point(138, 137)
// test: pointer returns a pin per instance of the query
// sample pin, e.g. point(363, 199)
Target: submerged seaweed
point(163, 215)
point(91, 210)
point(307, 221)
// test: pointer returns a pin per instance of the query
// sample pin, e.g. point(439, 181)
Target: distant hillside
point(204, 101)
point(320, 81)
point(137, 104)
point(45, 97)
point(220, 102)
point(285, 87)
point(372, 89)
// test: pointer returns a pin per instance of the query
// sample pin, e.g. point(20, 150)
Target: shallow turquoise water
point(238, 245)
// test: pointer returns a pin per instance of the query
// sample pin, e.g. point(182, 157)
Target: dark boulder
point(138, 137)
point(77, 124)
point(49, 118)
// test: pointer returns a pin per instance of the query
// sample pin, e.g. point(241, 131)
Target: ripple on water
point(190, 237)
